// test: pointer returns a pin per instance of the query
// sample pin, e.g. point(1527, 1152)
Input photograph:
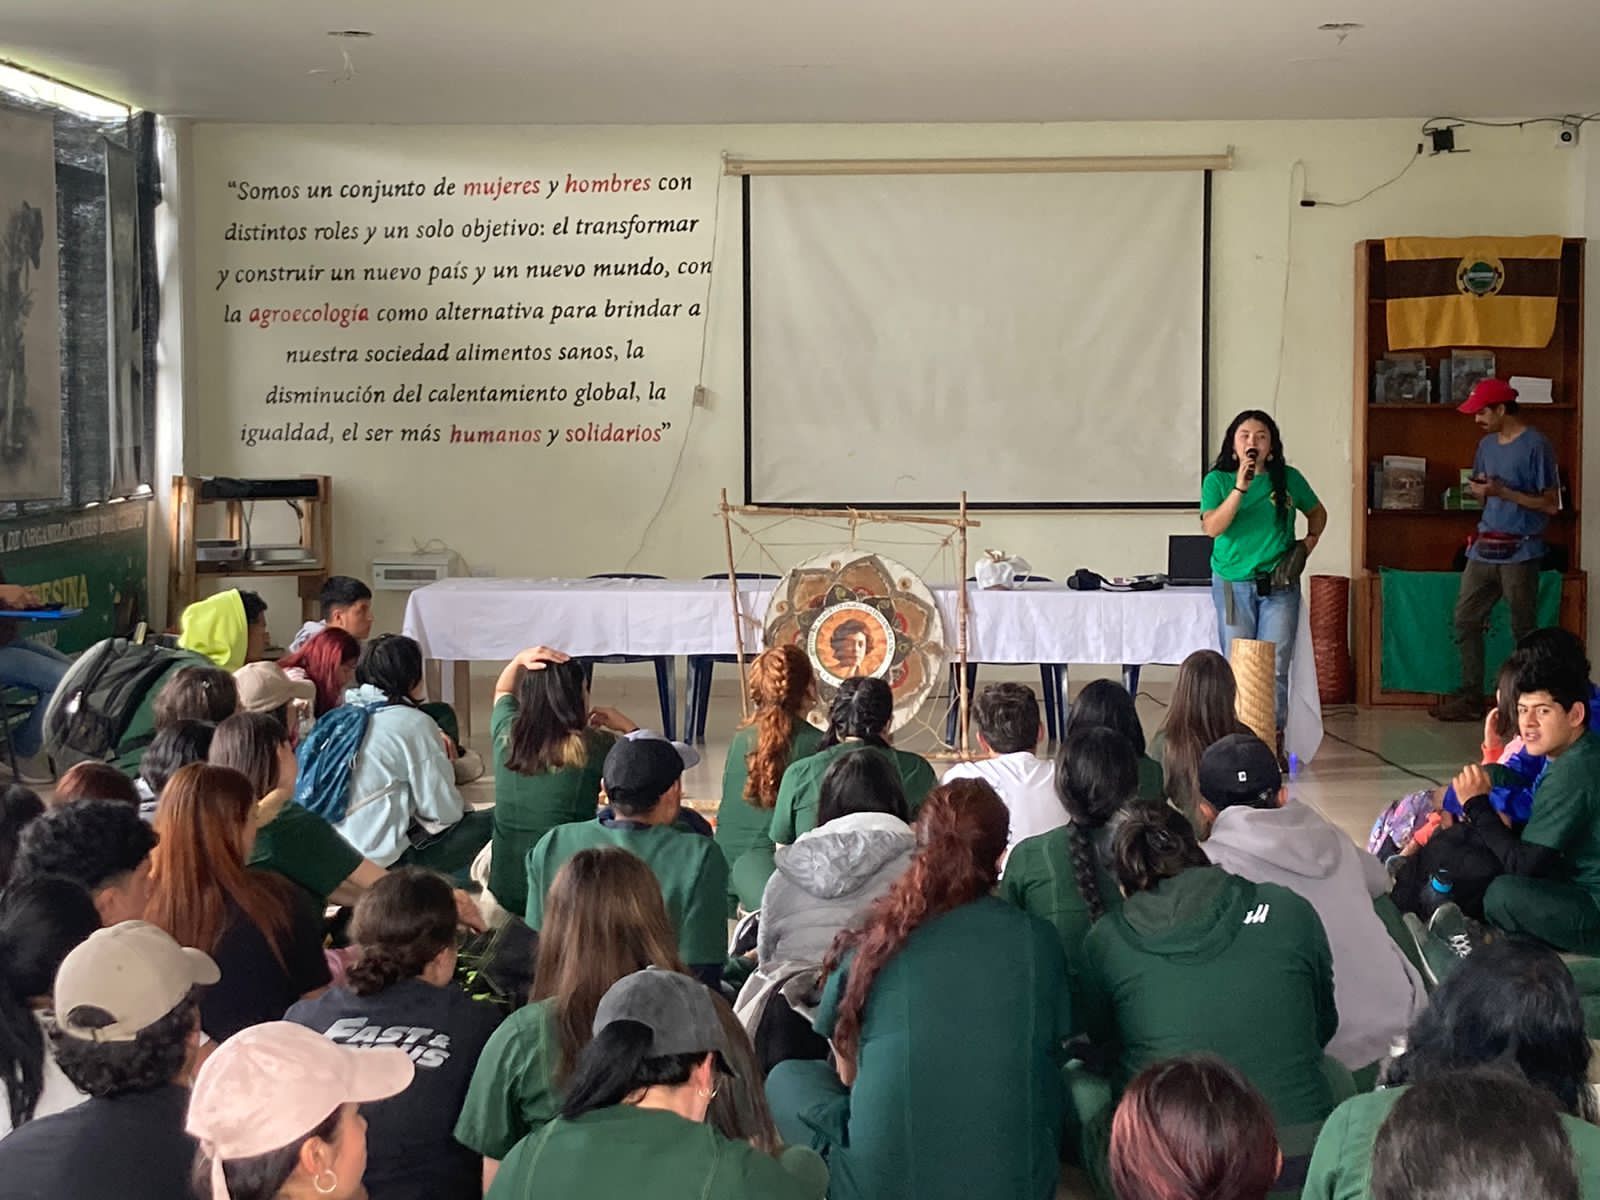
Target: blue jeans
point(1274, 618)
point(36, 669)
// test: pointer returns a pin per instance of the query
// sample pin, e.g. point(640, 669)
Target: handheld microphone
point(1250, 464)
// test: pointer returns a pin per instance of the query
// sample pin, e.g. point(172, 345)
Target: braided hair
point(1151, 843)
point(781, 687)
point(862, 708)
point(401, 925)
point(1097, 775)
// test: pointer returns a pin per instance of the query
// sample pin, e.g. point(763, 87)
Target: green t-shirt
point(741, 825)
point(1341, 1164)
point(1039, 879)
point(689, 867)
point(1566, 810)
point(1152, 783)
point(801, 790)
point(625, 1152)
point(958, 1087)
point(513, 1090)
point(303, 847)
point(1256, 540)
point(141, 730)
point(526, 807)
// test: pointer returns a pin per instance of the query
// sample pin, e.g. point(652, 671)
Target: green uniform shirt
point(958, 1076)
point(1039, 879)
point(1152, 783)
point(1566, 809)
point(1341, 1165)
point(689, 867)
point(526, 807)
point(798, 796)
point(513, 1091)
point(141, 730)
point(1208, 961)
point(302, 846)
point(625, 1153)
point(741, 825)
point(1256, 540)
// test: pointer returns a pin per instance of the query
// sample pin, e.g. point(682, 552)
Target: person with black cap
point(634, 1121)
point(1258, 833)
point(642, 782)
point(1514, 474)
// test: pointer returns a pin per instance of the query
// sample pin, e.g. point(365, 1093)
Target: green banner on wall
point(96, 559)
point(1419, 647)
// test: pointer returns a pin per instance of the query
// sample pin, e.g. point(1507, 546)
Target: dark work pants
point(1481, 585)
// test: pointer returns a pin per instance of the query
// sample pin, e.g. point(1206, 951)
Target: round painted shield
point(860, 614)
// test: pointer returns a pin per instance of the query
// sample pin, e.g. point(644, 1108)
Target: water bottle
point(1437, 892)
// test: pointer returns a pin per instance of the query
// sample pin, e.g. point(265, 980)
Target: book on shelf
point(1401, 379)
point(1460, 498)
point(1468, 368)
point(1404, 483)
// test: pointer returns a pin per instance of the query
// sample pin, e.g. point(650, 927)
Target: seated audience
point(1064, 876)
point(206, 694)
point(327, 661)
point(18, 806)
point(175, 747)
point(1473, 1136)
point(346, 607)
point(860, 715)
point(264, 933)
point(377, 768)
point(94, 781)
point(102, 845)
point(548, 747)
point(642, 781)
point(604, 919)
point(783, 688)
point(229, 628)
point(1197, 959)
point(1203, 710)
point(404, 979)
point(942, 983)
point(1193, 1128)
point(1258, 833)
point(1513, 1005)
point(275, 1114)
point(265, 688)
point(828, 877)
point(1105, 703)
point(1550, 888)
point(126, 1034)
point(41, 921)
point(29, 666)
point(634, 1119)
point(1009, 730)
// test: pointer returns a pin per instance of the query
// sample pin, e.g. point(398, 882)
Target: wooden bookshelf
point(1428, 539)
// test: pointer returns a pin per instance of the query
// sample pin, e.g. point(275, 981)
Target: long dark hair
point(41, 920)
point(1150, 843)
point(1203, 712)
point(1108, 704)
point(861, 781)
point(862, 708)
point(18, 806)
point(1276, 464)
point(615, 1064)
point(402, 924)
point(392, 664)
point(1509, 1001)
point(552, 714)
point(1097, 774)
point(248, 743)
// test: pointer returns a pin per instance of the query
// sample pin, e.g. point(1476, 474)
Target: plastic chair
point(698, 699)
point(666, 666)
point(1052, 682)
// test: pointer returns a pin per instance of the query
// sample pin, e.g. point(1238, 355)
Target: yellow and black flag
point(1478, 291)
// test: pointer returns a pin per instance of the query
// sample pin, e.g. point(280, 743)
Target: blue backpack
point(328, 756)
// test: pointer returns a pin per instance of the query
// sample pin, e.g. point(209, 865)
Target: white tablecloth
point(492, 619)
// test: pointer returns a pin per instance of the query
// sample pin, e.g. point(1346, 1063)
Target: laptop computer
point(1188, 560)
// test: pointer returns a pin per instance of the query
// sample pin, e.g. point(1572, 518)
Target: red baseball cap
point(1487, 394)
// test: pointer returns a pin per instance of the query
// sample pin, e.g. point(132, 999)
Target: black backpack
point(95, 702)
point(1471, 864)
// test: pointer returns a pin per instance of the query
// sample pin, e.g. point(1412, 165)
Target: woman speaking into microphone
point(1248, 502)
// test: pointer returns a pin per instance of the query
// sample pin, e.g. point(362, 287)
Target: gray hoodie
point(1377, 990)
point(825, 879)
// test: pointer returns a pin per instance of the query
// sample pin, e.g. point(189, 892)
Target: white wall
point(1284, 349)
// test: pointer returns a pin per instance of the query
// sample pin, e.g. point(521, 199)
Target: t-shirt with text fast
point(1257, 538)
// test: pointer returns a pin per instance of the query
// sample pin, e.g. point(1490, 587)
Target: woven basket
point(1253, 670)
point(1330, 638)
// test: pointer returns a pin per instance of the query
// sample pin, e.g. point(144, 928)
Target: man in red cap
point(1514, 474)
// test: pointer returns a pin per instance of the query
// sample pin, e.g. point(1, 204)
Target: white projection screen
point(1037, 340)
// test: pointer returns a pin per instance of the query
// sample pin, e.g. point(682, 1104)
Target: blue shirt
point(1527, 464)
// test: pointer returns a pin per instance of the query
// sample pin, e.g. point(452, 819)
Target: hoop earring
point(332, 1187)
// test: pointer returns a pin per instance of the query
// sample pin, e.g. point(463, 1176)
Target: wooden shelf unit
point(185, 572)
point(1428, 539)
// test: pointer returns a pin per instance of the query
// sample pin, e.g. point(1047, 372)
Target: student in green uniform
point(1512, 1004)
point(947, 1011)
point(1106, 703)
point(1551, 888)
point(548, 747)
point(603, 919)
point(634, 1120)
point(1064, 876)
point(860, 714)
point(1204, 710)
point(1198, 959)
point(642, 781)
point(782, 688)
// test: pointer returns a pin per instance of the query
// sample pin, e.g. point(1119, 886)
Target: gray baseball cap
point(677, 1009)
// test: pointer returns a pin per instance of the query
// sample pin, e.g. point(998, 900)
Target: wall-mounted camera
point(1567, 134)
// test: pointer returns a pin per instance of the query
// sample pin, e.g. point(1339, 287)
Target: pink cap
point(1487, 394)
point(270, 1085)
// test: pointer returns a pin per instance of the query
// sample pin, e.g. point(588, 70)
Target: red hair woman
point(947, 1009)
point(328, 660)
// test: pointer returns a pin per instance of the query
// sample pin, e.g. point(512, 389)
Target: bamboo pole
point(961, 623)
point(979, 166)
point(738, 623)
point(854, 514)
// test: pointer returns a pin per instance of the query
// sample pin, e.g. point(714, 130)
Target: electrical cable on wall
point(1307, 202)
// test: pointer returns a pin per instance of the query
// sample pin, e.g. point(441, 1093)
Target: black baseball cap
point(1240, 769)
point(638, 771)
